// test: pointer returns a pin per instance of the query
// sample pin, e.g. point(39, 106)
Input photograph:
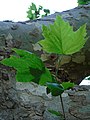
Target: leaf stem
point(58, 64)
point(56, 73)
point(62, 107)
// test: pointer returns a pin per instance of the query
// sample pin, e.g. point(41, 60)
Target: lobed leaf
point(61, 39)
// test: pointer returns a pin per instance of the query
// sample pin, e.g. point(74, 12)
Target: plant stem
point(62, 107)
point(58, 65)
point(57, 69)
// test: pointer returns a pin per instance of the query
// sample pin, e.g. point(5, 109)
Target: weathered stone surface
point(19, 104)
point(23, 36)
point(28, 101)
point(76, 103)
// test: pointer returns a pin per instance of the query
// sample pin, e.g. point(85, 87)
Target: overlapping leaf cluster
point(34, 12)
point(29, 67)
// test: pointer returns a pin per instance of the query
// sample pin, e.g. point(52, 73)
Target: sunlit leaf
point(61, 39)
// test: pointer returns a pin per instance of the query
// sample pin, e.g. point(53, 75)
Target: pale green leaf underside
point(61, 39)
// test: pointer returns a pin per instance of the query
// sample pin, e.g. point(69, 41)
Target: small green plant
point(34, 12)
point(83, 2)
point(59, 39)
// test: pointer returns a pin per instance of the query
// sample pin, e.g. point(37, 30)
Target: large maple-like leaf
point(61, 39)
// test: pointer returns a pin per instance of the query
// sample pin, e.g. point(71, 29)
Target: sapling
point(62, 40)
point(59, 39)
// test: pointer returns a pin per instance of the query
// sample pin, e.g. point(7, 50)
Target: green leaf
point(45, 77)
point(33, 7)
point(31, 59)
point(47, 11)
point(30, 14)
point(67, 85)
point(55, 113)
point(56, 89)
point(24, 76)
point(34, 12)
point(23, 70)
point(15, 62)
point(83, 2)
point(29, 67)
point(37, 74)
point(61, 39)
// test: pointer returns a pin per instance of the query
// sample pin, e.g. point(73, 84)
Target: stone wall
point(28, 101)
point(19, 104)
point(76, 102)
